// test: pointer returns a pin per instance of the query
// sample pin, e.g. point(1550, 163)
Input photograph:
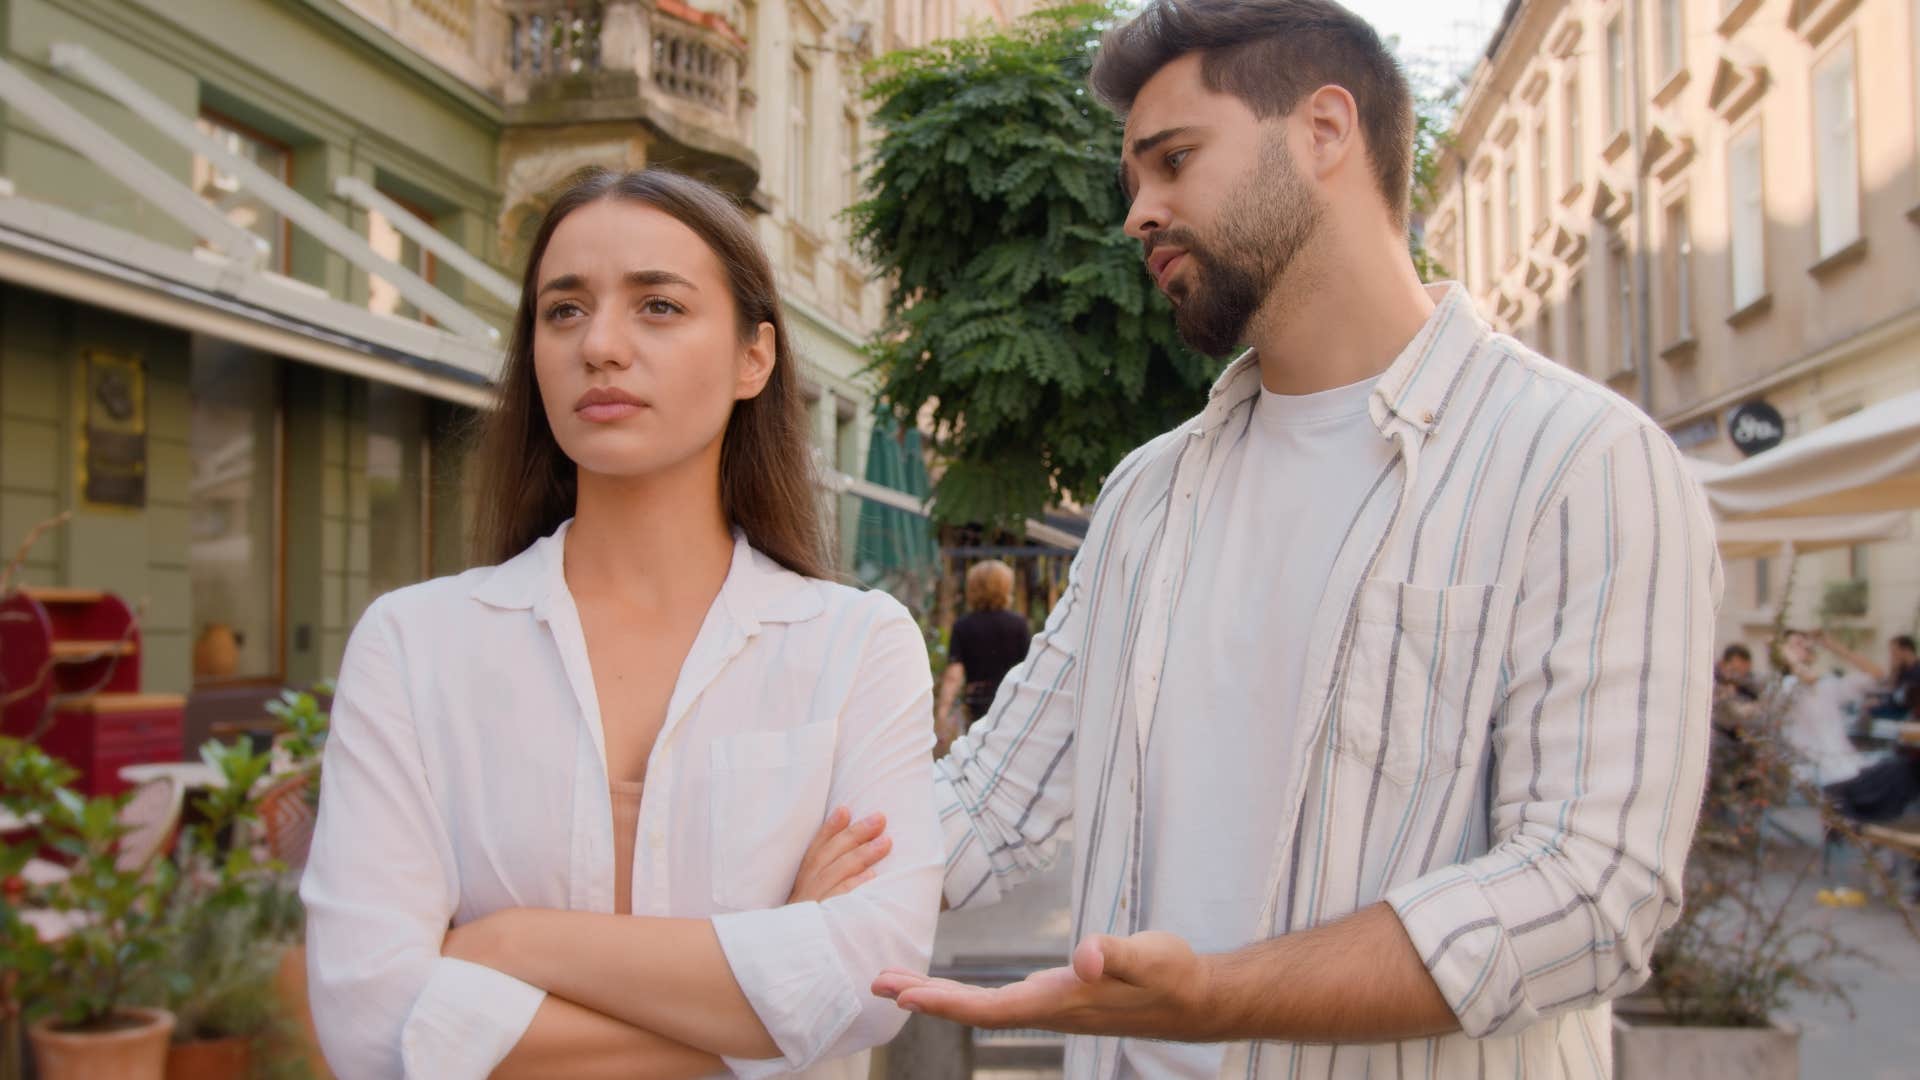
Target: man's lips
point(1161, 265)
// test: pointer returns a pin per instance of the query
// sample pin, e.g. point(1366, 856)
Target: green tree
point(1022, 318)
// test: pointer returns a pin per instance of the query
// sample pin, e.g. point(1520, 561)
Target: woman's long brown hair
point(528, 484)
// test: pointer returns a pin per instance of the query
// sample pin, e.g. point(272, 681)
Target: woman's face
point(636, 344)
point(1797, 648)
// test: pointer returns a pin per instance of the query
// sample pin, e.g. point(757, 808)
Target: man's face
point(1217, 204)
point(1737, 667)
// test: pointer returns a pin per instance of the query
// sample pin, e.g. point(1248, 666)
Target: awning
point(1761, 538)
point(1865, 463)
point(221, 289)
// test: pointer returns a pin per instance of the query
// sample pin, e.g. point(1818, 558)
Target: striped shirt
point(1503, 728)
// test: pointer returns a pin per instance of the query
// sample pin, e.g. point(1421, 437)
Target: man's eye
point(1175, 159)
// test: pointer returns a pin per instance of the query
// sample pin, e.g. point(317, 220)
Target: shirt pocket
point(768, 797)
point(1423, 661)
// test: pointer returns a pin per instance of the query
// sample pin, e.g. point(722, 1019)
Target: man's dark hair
point(1904, 641)
point(1270, 54)
point(1736, 651)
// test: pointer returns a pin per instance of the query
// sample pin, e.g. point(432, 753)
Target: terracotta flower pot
point(208, 1059)
point(137, 1052)
point(291, 986)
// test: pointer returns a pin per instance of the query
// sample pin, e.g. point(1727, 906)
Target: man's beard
point(1262, 226)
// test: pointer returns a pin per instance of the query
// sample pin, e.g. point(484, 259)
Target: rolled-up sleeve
point(1006, 788)
point(1600, 744)
point(807, 968)
point(379, 892)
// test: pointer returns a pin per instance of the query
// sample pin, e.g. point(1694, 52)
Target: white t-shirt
point(1216, 768)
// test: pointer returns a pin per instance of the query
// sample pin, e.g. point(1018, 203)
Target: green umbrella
point(894, 545)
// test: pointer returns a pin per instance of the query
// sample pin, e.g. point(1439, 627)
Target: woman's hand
point(841, 856)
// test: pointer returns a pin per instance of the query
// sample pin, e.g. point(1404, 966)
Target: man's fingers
point(1090, 957)
point(891, 982)
point(1036, 1001)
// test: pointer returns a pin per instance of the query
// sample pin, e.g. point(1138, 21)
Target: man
point(1735, 677)
point(1378, 694)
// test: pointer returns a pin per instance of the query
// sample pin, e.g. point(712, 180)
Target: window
point(1620, 320)
point(242, 207)
point(799, 143)
point(1672, 39)
point(1616, 78)
point(1542, 170)
point(1746, 203)
point(850, 139)
point(1677, 269)
point(387, 240)
point(233, 512)
point(1575, 148)
point(1762, 582)
point(396, 488)
point(1546, 345)
point(1857, 562)
point(800, 206)
point(1577, 323)
point(1836, 151)
point(1513, 211)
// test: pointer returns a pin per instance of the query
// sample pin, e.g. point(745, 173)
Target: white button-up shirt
point(465, 773)
point(1502, 731)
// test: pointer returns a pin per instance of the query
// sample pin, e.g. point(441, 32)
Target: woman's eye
point(562, 310)
point(658, 306)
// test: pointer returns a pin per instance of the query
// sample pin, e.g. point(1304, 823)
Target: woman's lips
point(607, 412)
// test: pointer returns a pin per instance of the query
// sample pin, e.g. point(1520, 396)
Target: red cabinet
point(70, 672)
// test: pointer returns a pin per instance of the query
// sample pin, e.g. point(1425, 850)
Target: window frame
point(282, 248)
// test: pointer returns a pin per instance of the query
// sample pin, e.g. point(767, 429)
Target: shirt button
point(1427, 417)
point(1123, 903)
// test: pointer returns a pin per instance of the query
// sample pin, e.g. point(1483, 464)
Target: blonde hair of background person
point(989, 588)
point(657, 658)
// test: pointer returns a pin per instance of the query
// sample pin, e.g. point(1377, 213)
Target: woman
point(987, 641)
point(601, 762)
point(1815, 724)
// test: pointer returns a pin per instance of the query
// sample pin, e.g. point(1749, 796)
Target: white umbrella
point(1866, 463)
point(1760, 538)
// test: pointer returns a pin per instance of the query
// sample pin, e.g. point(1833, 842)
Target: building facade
point(1705, 204)
point(256, 257)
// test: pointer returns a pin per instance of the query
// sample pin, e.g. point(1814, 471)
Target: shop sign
point(1756, 427)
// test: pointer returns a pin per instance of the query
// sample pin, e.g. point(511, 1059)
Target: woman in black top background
point(987, 641)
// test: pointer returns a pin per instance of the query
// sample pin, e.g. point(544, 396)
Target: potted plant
point(78, 992)
point(1742, 946)
point(227, 919)
point(297, 750)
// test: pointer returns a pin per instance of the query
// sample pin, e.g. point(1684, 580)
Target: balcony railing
point(552, 38)
point(688, 64)
point(685, 63)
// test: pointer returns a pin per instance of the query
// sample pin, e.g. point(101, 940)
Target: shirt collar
point(757, 590)
point(1413, 388)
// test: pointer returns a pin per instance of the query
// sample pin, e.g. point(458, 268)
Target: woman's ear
point(756, 363)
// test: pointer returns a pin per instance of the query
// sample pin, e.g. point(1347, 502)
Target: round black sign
point(1756, 427)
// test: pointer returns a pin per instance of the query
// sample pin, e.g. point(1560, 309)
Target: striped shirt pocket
point(1423, 662)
